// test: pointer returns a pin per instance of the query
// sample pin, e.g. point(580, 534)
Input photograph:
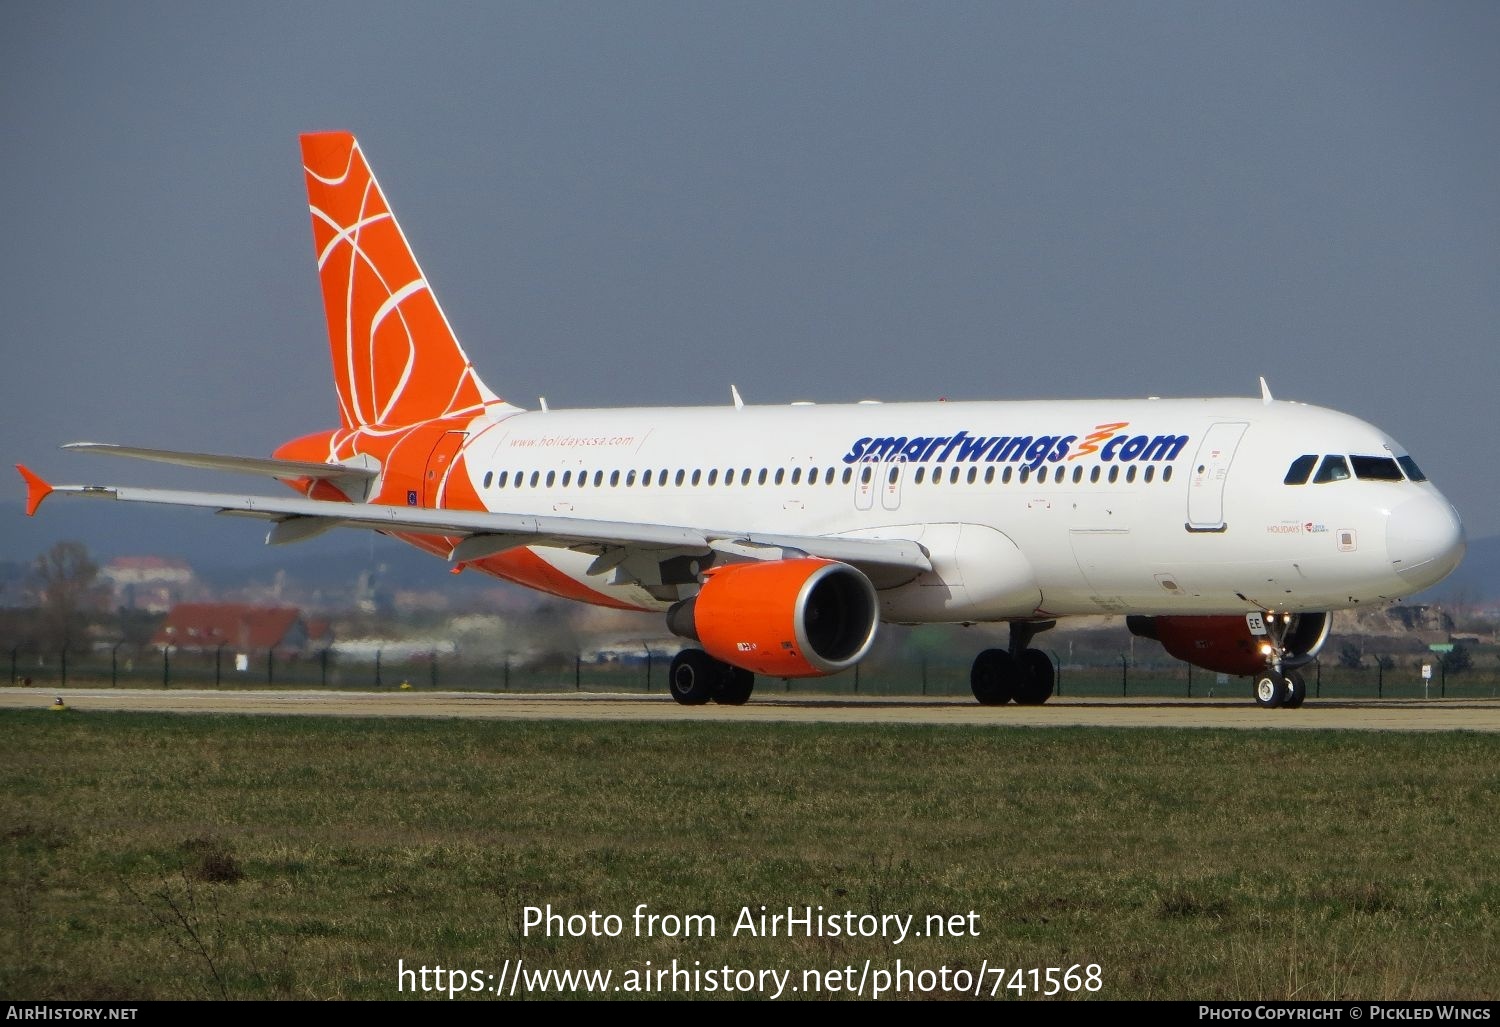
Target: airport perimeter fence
point(882, 674)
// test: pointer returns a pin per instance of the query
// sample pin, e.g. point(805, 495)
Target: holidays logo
point(1110, 441)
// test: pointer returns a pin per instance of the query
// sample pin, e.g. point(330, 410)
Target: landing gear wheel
point(735, 686)
point(1296, 690)
point(1271, 689)
point(694, 677)
point(993, 677)
point(1037, 677)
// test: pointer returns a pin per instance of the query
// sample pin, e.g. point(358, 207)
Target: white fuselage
point(1027, 509)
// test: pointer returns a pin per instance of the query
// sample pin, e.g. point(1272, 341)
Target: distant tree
point(1386, 662)
point(65, 583)
point(1458, 660)
point(1351, 657)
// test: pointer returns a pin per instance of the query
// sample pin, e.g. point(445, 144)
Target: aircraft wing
point(483, 533)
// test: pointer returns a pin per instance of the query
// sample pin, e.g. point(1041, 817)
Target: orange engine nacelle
point(786, 618)
point(1226, 644)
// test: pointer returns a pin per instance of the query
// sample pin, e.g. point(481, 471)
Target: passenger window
point(973, 473)
point(1130, 474)
point(848, 475)
point(551, 477)
point(500, 481)
point(1025, 475)
point(1114, 474)
point(1334, 468)
point(812, 475)
point(614, 479)
point(918, 479)
point(760, 479)
point(745, 477)
point(796, 476)
point(1005, 478)
point(1410, 467)
point(1150, 472)
point(1375, 468)
point(780, 474)
point(989, 476)
point(953, 476)
point(1166, 474)
point(535, 475)
point(630, 479)
point(567, 478)
point(645, 479)
point(681, 475)
point(713, 476)
point(696, 476)
point(598, 479)
point(1094, 473)
point(1300, 469)
point(891, 477)
point(487, 476)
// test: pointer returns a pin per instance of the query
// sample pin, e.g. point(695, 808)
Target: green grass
point(177, 857)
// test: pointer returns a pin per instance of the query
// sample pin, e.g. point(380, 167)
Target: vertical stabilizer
point(395, 358)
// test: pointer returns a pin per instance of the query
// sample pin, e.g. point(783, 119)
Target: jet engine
point(795, 618)
point(1231, 645)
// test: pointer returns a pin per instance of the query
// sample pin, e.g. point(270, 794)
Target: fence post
point(577, 672)
point(1380, 681)
point(1319, 693)
point(270, 665)
point(323, 667)
point(114, 664)
point(506, 662)
point(924, 673)
point(856, 679)
point(648, 666)
point(1124, 675)
point(377, 668)
point(1442, 676)
point(218, 663)
point(432, 669)
point(166, 666)
point(1190, 681)
point(13, 651)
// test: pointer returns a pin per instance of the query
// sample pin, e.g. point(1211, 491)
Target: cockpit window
point(1410, 467)
point(1375, 468)
point(1300, 469)
point(1335, 468)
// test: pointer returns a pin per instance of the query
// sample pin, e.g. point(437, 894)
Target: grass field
point(180, 857)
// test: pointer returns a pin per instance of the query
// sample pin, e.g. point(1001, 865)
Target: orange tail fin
point(395, 358)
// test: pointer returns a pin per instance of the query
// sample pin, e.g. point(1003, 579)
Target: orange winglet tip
point(36, 489)
point(457, 568)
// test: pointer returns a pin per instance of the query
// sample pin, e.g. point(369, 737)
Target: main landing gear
point(1278, 687)
point(1017, 674)
point(697, 678)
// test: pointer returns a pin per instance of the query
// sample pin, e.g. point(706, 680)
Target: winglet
point(36, 489)
point(1265, 391)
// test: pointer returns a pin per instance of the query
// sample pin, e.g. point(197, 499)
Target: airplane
point(776, 540)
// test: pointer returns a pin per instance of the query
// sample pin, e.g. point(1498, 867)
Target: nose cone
point(1425, 540)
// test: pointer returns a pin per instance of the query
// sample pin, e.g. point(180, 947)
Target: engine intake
point(786, 618)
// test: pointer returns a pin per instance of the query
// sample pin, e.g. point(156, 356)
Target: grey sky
point(624, 204)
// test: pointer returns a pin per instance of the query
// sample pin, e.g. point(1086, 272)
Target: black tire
point(735, 686)
point(1037, 678)
point(993, 677)
point(1296, 690)
point(694, 677)
point(1270, 689)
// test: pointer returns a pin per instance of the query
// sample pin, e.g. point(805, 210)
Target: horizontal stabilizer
point(267, 466)
point(36, 489)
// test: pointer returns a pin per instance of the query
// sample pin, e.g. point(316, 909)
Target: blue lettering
point(1061, 449)
point(973, 449)
point(1037, 454)
point(952, 441)
point(1132, 449)
point(1165, 447)
point(1108, 452)
point(857, 450)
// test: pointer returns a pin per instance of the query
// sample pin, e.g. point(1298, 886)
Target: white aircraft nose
point(1425, 540)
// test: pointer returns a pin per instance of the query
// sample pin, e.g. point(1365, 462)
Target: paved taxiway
point(1333, 714)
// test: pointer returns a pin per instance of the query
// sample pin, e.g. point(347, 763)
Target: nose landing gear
point(1278, 686)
